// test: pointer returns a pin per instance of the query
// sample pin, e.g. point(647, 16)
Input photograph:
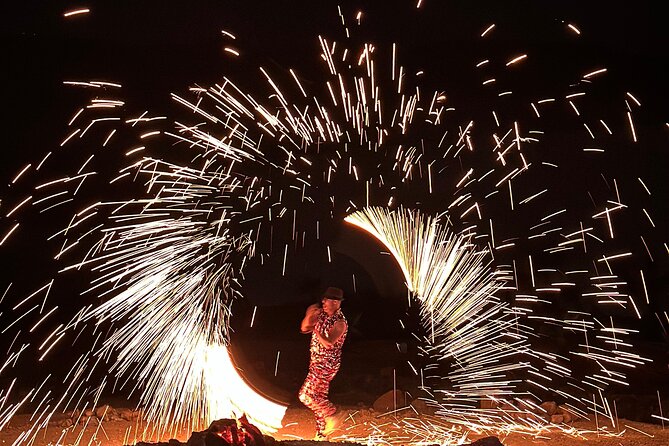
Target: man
point(328, 328)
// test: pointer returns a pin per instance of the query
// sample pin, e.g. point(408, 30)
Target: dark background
point(154, 48)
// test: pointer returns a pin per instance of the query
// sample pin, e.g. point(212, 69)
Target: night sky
point(154, 48)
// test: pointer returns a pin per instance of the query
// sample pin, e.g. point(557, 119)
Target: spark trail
point(168, 245)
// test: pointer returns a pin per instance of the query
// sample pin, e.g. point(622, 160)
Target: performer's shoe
point(333, 422)
point(320, 436)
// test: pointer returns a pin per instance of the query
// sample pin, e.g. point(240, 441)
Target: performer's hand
point(310, 318)
point(314, 310)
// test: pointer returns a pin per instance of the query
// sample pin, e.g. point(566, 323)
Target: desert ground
point(363, 426)
point(357, 388)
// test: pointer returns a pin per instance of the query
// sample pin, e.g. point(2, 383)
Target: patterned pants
point(314, 392)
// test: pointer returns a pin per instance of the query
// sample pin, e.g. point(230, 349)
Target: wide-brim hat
point(333, 293)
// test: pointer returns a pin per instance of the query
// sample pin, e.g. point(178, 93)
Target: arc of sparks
point(449, 277)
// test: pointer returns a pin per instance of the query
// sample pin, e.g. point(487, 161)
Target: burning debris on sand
point(230, 432)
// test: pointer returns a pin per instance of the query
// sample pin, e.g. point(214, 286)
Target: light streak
point(276, 369)
point(76, 12)
point(488, 29)
point(70, 136)
point(253, 316)
point(24, 170)
point(516, 59)
point(298, 82)
point(233, 397)
point(636, 101)
point(166, 264)
point(631, 123)
point(645, 290)
point(594, 73)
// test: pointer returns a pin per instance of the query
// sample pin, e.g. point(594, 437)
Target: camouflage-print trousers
point(314, 392)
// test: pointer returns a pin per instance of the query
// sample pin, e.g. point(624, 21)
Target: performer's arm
point(310, 318)
point(330, 338)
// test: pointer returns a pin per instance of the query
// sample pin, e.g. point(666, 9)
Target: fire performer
point(328, 327)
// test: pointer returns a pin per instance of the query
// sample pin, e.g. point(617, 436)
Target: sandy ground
point(362, 426)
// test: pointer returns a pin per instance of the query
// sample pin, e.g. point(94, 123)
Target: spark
point(167, 264)
point(285, 256)
point(644, 186)
point(149, 134)
point(108, 137)
point(18, 206)
point(487, 30)
point(639, 431)
point(594, 73)
point(24, 170)
point(636, 101)
point(70, 136)
point(645, 290)
point(76, 12)
point(253, 316)
point(631, 123)
point(298, 82)
point(516, 59)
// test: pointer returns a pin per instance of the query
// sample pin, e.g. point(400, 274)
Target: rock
point(196, 439)
point(487, 403)
point(550, 407)
point(537, 418)
point(421, 406)
point(66, 423)
point(225, 432)
point(125, 414)
point(212, 439)
point(106, 413)
point(526, 406)
point(102, 411)
point(557, 419)
point(487, 441)
point(391, 400)
point(160, 443)
point(88, 413)
point(252, 435)
point(514, 411)
point(568, 415)
point(506, 407)
point(222, 425)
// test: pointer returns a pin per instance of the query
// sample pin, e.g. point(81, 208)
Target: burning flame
point(228, 395)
